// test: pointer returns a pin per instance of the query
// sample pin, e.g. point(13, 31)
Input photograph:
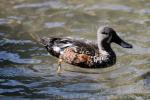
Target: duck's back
point(56, 46)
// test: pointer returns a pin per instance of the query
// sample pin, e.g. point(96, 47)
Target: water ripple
point(54, 24)
point(21, 42)
point(109, 7)
point(15, 58)
point(53, 4)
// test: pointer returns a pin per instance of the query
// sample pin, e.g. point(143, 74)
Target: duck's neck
point(106, 54)
point(104, 48)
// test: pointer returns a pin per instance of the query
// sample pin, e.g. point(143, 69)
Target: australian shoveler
point(86, 54)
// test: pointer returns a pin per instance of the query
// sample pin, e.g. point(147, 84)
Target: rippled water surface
point(28, 72)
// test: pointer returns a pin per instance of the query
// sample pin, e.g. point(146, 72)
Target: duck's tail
point(45, 41)
point(51, 45)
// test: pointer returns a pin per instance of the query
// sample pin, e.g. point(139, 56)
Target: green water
point(28, 72)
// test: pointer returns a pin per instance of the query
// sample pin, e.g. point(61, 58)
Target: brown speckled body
point(86, 54)
point(71, 57)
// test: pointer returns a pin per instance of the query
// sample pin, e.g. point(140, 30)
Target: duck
point(85, 53)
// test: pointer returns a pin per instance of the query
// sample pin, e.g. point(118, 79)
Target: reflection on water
point(27, 72)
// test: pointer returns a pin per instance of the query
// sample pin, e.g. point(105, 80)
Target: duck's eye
point(104, 33)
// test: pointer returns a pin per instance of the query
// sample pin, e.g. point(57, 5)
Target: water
point(28, 72)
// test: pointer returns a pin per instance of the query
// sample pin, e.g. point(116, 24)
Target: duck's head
point(107, 35)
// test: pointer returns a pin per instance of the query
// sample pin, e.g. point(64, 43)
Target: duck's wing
point(56, 46)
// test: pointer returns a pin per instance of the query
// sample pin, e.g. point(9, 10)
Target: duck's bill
point(125, 44)
point(120, 42)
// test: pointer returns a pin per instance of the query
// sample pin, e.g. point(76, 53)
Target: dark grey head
point(107, 35)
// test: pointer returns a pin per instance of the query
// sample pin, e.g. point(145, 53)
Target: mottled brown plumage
point(71, 57)
point(85, 53)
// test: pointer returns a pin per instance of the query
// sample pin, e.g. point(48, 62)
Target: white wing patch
point(66, 45)
point(60, 49)
point(56, 49)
